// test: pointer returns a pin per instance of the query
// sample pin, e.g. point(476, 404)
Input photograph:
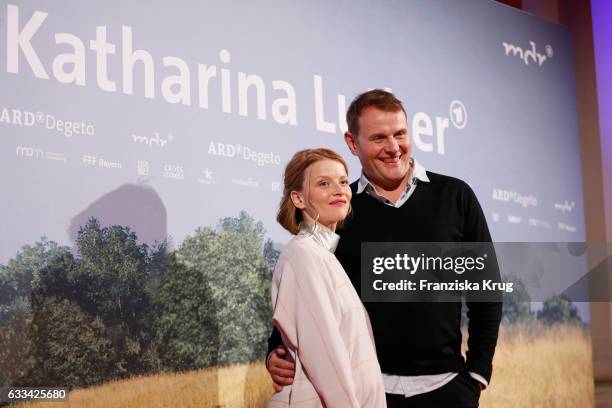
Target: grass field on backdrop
point(534, 366)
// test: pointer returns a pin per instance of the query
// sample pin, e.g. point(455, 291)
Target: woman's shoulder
point(299, 243)
point(302, 250)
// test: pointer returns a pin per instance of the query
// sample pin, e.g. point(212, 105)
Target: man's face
point(382, 146)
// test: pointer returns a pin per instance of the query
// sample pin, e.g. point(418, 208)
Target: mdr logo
point(530, 54)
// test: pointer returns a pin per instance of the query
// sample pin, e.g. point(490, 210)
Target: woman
point(322, 321)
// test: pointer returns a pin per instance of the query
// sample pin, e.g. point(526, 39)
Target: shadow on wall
point(136, 205)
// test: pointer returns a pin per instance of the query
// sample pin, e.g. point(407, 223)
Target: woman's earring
point(316, 224)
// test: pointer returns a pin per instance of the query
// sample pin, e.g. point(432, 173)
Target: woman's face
point(325, 193)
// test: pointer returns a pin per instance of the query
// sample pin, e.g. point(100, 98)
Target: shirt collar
point(418, 172)
point(323, 236)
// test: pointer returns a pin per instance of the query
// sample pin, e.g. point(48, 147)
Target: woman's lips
point(338, 202)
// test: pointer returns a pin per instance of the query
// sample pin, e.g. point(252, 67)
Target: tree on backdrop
point(115, 306)
point(68, 347)
point(101, 297)
point(517, 304)
point(17, 276)
point(15, 306)
point(559, 309)
point(214, 306)
point(13, 351)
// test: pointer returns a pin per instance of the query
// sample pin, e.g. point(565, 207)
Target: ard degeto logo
point(528, 55)
point(245, 153)
point(511, 196)
point(67, 128)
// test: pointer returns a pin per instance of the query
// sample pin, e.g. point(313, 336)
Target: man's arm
point(482, 383)
point(483, 327)
point(274, 341)
point(484, 318)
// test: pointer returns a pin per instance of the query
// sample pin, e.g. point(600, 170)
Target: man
point(397, 200)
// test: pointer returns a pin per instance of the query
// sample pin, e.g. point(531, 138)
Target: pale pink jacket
point(326, 330)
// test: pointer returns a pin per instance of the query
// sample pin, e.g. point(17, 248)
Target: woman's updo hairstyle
point(288, 215)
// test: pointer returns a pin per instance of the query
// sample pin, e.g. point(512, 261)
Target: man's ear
point(298, 200)
point(351, 142)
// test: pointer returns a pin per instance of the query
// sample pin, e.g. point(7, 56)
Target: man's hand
point(281, 370)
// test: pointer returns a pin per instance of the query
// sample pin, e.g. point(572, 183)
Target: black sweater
point(422, 338)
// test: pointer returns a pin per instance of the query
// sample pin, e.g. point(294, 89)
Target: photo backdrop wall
point(205, 102)
point(175, 122)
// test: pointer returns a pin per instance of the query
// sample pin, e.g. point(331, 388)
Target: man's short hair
point(376, 98)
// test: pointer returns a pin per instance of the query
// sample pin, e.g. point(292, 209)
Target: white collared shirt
point(418, 174)
point(414, 384)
